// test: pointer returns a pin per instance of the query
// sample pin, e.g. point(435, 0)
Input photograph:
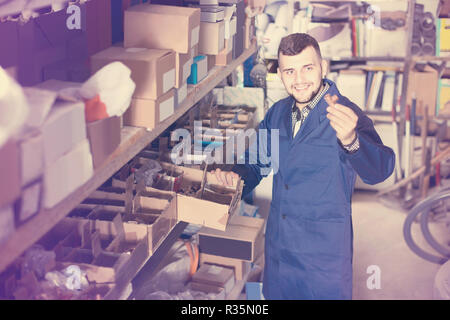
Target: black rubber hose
point(429, 237)
point(423, 206)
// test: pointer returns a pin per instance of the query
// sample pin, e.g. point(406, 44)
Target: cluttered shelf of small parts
point(134, 139)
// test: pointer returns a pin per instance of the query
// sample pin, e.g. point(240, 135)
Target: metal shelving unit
point(134, 140)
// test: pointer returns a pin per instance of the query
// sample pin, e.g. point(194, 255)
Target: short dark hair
point(295, 43)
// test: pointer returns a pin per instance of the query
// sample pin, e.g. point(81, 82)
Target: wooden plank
point(354, 59)
point(430, 58)
point(134, 140)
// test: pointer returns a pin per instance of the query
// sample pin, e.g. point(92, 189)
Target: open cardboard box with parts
point(201, 199)
point(113, 255)
point(150, 214)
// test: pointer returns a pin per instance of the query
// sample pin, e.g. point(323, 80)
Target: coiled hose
point(425, 207)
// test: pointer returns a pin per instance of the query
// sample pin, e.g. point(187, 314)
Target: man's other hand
point(226, 178)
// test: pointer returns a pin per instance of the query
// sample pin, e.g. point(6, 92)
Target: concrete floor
point(378, 241)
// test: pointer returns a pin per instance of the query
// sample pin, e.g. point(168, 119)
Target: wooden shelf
point(355, 59)
point(430, 58)
point(134, 139)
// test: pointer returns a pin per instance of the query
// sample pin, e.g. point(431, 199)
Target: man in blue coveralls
point(325, 140)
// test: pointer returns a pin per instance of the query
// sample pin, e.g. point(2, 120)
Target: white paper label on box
point(168, 80)
point(227, 29)
point(187, 69)
point(233, 27)
point(230, 47)
point(221, 40)
point(166, 109)
point(195, 36)
point(202, 69)
point(182, 93)
point(135, 50)
point(67, 173)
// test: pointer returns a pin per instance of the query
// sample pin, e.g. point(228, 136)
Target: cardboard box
point(165, 202)
point(214, 207)
point(96, 22)
point(243, 239)
point(241, 267)
point(180, 96)
point(148, 113)
point(230, 28)
point(237, 7)
point(36, 52)
point(215, 275)
point(424, 85)
point(10, 181)
point(152, 217)
point(30, 202)
point(211, 62)
point(56, 86)
point(63, 129)
point(183, 64)
point(46, 47)
point(112, 255)
point(212, 37)
point(240, 9)
point(199, 70)
point(152, 70)
point(226, 55)
point(31, 157)
point(67, 173)
point(8, 36)
point(218, 292)
point(104, 137)
point(67, 70)
point(40, 102)
point(162, 27)
point(194, 51)
point(7, 226)
point(42, 42)
point(238, 42)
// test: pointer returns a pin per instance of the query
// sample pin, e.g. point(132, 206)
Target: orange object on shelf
point(95, 109)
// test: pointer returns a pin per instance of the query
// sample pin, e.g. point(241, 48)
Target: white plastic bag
point(13, 107)
point(114, 86)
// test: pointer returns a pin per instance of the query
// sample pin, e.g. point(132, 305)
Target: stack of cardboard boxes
point(55, 153)
point(221, 40)
point(170, 36)
point(56, 44)
point(226, 257)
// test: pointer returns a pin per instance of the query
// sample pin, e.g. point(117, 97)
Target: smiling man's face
point(302, 74)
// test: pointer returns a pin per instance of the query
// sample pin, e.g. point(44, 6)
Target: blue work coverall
point(309, 235)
